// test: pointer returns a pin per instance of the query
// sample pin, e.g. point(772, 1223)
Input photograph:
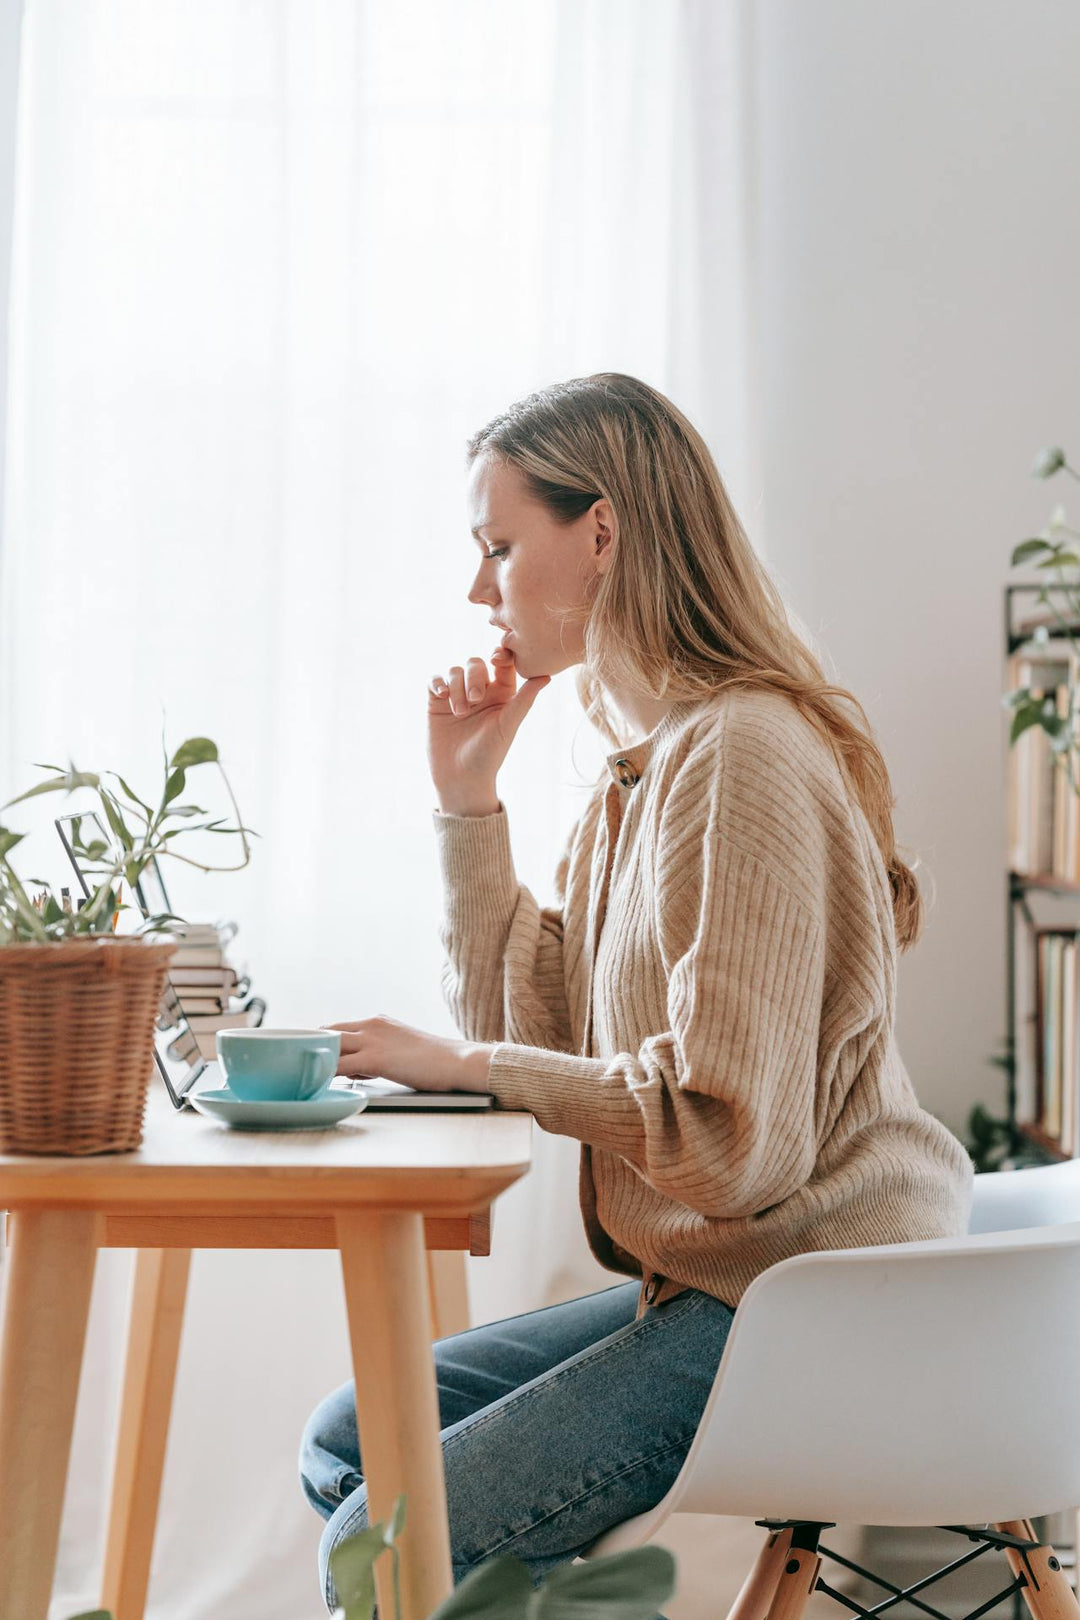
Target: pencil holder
point(77, 1020)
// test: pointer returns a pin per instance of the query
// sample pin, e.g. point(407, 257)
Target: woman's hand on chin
point(385, 1048)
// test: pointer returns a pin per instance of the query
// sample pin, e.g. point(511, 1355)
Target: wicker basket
point(77, 1020)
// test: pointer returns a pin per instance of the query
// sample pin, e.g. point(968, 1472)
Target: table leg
point(50, 1278)
point(448, 1287)
point(386, 1297)
point(154, 1325)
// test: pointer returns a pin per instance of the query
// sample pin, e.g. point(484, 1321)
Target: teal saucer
point(315, 1114)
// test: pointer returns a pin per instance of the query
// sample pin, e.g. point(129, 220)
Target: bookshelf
point(1043, 893)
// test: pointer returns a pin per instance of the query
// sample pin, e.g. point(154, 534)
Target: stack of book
point(1044, 809)
point(210, 990)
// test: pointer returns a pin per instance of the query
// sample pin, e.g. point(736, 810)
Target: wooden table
point(381, 1188)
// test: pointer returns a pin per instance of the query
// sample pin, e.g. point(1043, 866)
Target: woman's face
point(533, 569)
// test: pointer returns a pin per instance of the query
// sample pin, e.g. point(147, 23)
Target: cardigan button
point(626, 773)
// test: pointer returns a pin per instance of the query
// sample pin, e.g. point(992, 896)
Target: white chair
point(930, 1383)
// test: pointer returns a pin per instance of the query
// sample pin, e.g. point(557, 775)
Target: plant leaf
point(621, 1586)
point(1061, 559)
point(1048, 461)
point(351, 1565)
point(1028, 548)
point(158, 920)
point(1030, 715)
point(134, 797)
point(397, 1521)
point(174, 786)
point(196, 751)
point(94, 1614)
point(116, 821)
point(498, 1590)
point(8, 840)
point(74, 779)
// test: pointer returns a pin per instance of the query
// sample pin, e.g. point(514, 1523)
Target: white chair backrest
point(913, 1383)
point(1042, 1195)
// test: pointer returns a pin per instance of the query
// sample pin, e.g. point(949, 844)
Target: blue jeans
point(556, 1425)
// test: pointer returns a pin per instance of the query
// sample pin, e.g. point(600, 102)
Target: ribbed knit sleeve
point(718, 1109)
point(503, 973)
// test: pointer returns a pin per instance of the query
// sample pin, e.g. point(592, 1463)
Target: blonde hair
point(687, 607)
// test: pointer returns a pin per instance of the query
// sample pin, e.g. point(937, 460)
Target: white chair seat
point(923, 1383)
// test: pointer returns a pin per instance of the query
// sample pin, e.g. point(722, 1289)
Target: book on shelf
point(1043, 807)
point(1070, 1091)
point(1056, 1109)
point(1026, 1030)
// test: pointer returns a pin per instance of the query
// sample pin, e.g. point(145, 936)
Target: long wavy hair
point(687, 607)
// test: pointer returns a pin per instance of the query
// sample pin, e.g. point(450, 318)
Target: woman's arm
point(502, 978)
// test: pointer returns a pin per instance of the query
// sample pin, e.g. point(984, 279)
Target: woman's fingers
point(502, 662)
point(458, 701)
point(476, 679)
point(464, 687)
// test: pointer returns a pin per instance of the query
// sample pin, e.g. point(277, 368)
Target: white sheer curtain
point(273, 261)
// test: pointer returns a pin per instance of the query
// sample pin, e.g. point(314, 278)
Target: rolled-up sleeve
point(502, 976)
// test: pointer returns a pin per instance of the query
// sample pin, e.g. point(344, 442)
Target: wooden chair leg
point(153, 1347)
point(1047, 1591)
point(759, 1587)
point(798, 1577)
point(448, 1290)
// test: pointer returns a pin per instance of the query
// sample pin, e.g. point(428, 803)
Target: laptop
point(176, 1051)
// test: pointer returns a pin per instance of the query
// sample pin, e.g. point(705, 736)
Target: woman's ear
point(605, 540)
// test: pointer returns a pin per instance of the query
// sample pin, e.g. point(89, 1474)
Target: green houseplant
point(620, 1586)
point(1052, 551)
point(79, 1002)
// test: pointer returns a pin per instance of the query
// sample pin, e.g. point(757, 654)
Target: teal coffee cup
point(278, 1065)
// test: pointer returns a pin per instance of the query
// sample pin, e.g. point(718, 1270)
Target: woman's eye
point(499, 552)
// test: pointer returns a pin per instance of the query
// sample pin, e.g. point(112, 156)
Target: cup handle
point(310, 1080)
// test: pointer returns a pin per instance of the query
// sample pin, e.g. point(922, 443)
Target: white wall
point(918, 254)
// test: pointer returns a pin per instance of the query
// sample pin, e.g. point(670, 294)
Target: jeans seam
point(583, 1496)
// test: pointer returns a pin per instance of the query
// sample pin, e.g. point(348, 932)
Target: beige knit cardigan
point(709, 1008)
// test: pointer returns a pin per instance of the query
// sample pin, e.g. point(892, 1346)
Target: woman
point(709, 1007)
